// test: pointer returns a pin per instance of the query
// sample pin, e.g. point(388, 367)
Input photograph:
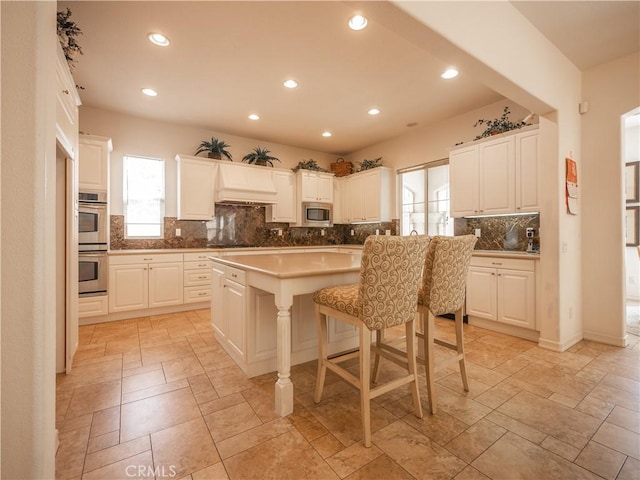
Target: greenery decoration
point(260, 156)
point(68, 30)
point(309, 165)
point(368, 164)
point(498, 125)
point(215, 148)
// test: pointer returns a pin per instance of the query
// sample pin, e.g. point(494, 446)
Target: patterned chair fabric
point(390, 273)
point(445, 273)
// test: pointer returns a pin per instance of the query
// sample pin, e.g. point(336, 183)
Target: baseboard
point(560, 346)
point(113, 317)
point(505, 328)
point(606, 339)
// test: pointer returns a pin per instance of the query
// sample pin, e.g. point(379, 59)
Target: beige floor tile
point(513, 425)
point(108, 368)
point(122, 345)
point(625, 418)
point(157, 413)
point(382, 468)
point(601, 460)
point(470, 473)
point(163, 353)
point(243, 441)
point(620, 439)
point(76, 422)
point(441, 428)
point(138, 466)
point(94, 397)
point(106, 440)
point(214, 472)
point(566, 385)
point(184, 448)
point(308, 425)
point(222, 403)
point(514, 457)
point(229, 380)
point(496, 396)
point(567, 359)
point(287, 456)
point(116, 453)
point(595, 406)
point(128, 372)
point(563, 449)
point(142, 381)
point(476, 439)
point(70, 455)
point(630, 470)
point(327, 445)
point(153, 391)
point(459, 406)
point(232, 421)
point(424, 460)
point(105, 421)
point(352, 458)
point(183, 367)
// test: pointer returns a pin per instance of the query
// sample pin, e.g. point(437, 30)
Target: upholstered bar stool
point(385, 297)
point(443, 289)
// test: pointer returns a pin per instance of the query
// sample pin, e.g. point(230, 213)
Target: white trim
point(112, 317)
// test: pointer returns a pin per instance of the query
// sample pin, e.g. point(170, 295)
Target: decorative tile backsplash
point(244, 225)
point(500, 233)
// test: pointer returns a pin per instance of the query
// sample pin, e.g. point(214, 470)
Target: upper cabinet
point(368, 196)
point(284, 210)
point(196, 187)
point(314, 186)
point(494, 177)
point(67, 101)
point(94, 163)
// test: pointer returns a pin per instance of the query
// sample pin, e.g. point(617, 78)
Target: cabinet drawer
point(197, 294)
point(197, 277)
point(196, 257)
point(497, 262)
point(236, 275)
point(93, 306)
point(197, 265)
point(147, 258)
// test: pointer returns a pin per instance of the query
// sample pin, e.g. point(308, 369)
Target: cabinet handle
point(201, 277)
point(202, 264)
point(492, 273)
point(234, 275)
point(147, 259)
point(496, 263)
point(66, 92)
point(145, 269)
point(202, 294)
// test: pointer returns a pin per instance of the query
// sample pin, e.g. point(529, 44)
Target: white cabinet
point(67, 101)
point(145, 281)
point(527, 172)
point(314, 186)
point(494, 177)
point(284, 210)
point(196, 188)
point(93, 306)
point(229, 309)
point(244, 183)
point(369, 196)
point(218, 320)
point(340, 200)
point(94, 163)
point(197, 278)
point(502, 290)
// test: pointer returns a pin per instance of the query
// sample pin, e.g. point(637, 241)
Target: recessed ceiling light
point(357, 22)
point(254, 116)
point(326, 134)
point(158, 39)
point(290, 83)
point(149, 92)
point(373, 111)
point(450, 73)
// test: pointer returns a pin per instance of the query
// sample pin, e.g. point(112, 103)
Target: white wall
point(28, 255)
point(139, 136)
point(611, 90)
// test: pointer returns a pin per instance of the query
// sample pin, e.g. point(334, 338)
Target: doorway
point(631, 165)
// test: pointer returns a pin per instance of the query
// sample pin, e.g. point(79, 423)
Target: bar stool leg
point(460, 348)
point(429, 325)
point(365, 388)
point(321, 322)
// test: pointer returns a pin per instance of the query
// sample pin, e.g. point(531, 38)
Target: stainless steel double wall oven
point(92, 243)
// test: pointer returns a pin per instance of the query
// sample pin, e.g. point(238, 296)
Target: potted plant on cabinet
point(498, 125)
point(67, 31)
point(215, 149)
point(308, 165)
point(260, 156)
point(368, 164)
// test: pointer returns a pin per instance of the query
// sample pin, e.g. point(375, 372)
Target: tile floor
point(158, 397)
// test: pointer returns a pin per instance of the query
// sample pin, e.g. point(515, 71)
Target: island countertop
point(294, 265)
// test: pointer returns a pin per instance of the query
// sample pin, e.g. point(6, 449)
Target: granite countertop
point(142, 251)
point(506, 254)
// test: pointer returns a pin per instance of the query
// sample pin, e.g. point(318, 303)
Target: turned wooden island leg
point(284, 386)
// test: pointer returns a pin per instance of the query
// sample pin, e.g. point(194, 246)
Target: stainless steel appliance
point(316, 214)
point(92, 221)
point(92, 273)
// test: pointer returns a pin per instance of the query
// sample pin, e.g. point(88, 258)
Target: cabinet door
point(325, 188)
point(497, 176)
point(356, 195)
point(165, 284)
point(284, 210)
point(464, 181)
point(66, 107)
point(527, 174)
point(128, 287)
point(196, 186)
point(235, 313)
point(94, 165)
point(218, 320)
point(481, 293)
point(516, 298)
point(340, 204)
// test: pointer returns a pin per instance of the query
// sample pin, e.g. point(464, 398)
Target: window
point(143, 197)
point(425, 199)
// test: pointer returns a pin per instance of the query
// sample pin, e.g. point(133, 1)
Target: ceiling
point(229, 59)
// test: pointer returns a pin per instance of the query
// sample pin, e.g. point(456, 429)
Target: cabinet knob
point(66, 92)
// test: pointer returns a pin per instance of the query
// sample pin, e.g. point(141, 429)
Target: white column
point(284, 387)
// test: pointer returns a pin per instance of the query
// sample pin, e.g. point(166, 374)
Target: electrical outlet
point(387, 232)
point(279, 232)
point(178, 232)
point(322, 232)
point(377, 231)
point(478, 233)
point(353, 232)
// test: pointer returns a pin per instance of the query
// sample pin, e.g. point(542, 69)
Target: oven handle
point(85, 254)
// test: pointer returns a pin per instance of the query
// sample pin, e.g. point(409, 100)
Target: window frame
point(125, 197)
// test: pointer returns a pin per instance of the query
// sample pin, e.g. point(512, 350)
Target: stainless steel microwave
point(316, 214)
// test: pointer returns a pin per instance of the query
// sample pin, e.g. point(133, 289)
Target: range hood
point(245, 184)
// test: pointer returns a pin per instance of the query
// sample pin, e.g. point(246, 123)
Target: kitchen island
point(251, 303)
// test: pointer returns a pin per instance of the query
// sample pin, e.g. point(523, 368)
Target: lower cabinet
point(234, 307)
point(197, 278)
point(93, 306)
point(145, 281)
point(502, 290)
